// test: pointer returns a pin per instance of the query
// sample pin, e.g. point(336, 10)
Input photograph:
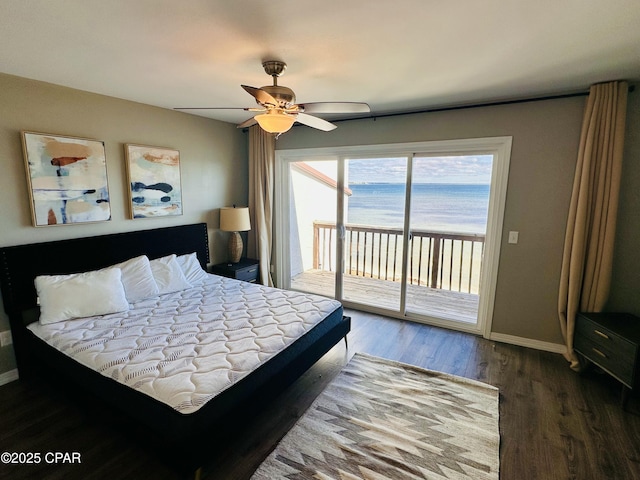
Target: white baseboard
point(9, 376)
point(529, 343)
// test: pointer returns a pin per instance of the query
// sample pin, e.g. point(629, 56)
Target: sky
point(453, 169)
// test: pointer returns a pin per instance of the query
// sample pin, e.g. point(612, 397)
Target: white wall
point(311, 200)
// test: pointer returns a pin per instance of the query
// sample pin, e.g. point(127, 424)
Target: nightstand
point(246, 269)
point(611, 341)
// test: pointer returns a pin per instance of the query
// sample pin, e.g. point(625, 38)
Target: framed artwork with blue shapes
point(154, 181)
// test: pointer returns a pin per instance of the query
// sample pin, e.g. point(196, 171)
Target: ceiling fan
point(278, 110)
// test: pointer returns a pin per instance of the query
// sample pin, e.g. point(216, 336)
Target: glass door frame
point(353, 303)
point(499, 147)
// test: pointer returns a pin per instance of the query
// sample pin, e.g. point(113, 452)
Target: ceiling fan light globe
point(275, 122)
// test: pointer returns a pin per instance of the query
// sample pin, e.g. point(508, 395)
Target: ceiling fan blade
point(335, 107)
point(261, 96)
point(248, 123)
point(315, 122)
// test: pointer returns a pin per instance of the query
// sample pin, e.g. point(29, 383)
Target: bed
point(264, 337)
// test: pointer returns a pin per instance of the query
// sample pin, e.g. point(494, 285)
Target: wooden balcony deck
point(450, 305)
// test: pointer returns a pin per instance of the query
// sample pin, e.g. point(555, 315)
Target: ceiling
point(400, 55)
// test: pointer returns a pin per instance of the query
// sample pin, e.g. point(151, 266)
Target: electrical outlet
point(5, 338)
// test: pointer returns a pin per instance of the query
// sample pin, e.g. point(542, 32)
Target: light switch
point(513, 237)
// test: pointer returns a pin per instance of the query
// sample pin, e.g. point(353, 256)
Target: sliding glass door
point(448, 224)
point(312, 218)
point(411, 231)
point(373, 231)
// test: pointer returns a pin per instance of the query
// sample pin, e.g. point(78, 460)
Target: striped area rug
point(380, 419)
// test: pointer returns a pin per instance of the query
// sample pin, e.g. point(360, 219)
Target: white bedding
point(184, 348)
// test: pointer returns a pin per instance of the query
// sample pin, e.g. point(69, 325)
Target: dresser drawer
point(248, 274)
point(607, 340)
point(246, 270)
point(618, 365)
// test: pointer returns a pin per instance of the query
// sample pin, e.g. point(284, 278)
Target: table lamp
point(235, 220)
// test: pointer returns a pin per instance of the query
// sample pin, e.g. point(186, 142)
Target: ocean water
point(460, 208)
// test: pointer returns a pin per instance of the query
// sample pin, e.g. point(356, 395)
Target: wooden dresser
point(611, 341)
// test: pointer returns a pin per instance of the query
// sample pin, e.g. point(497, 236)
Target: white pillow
point(137, 279)
point(63, 297)
point(192, 269)
point(168, 274)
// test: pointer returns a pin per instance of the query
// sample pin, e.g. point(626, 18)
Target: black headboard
point(20, 264)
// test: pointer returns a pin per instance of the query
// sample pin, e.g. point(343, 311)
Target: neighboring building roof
point(318, 175)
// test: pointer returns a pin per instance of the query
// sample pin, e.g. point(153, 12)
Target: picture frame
point(67, 179)
point(155, 184)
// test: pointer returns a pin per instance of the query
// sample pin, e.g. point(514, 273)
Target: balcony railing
point(443, 260)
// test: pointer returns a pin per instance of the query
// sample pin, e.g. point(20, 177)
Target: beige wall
point(213, 159)
point(545, 143)
point(625, 284)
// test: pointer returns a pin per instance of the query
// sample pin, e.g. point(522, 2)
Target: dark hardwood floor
point(554, 423)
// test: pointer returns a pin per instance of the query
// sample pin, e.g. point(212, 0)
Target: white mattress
point(185, 348)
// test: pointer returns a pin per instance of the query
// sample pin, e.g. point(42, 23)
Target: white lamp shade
point(235, 219)
point(273, 122)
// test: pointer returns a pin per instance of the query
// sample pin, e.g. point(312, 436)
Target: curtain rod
point(475, 105)
point(632, 88)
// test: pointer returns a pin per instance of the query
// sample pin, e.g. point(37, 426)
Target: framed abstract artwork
point(154, 181)
point(67, 179)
